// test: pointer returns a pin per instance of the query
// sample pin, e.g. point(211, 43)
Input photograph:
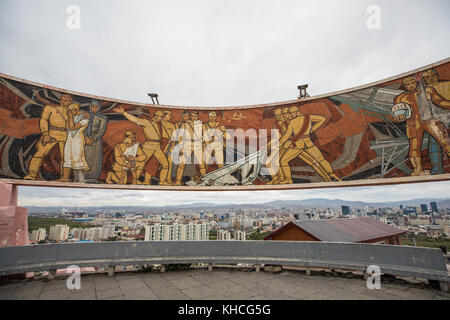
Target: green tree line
point(35, 223)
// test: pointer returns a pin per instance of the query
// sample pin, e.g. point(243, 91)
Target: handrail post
point(110, 271)
point(308, 271)
point(51, 274)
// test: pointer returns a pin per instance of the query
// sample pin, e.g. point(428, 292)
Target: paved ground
point(216, 285)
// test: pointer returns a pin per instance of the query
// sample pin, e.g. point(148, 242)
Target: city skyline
point(40, 196)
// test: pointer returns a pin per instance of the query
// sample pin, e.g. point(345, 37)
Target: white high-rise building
point(107, 232)
point(223, 235)
point(239, 235)
point(79, 233)
point(177, 231)
point(59, 232)
point(93, 234)
point(38, 235)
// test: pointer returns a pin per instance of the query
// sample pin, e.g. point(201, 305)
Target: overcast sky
point(218, 53)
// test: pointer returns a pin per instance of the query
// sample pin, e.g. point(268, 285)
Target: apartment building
point(239, 235)
point(167, 232)
point(38, 235)
point(223, 235)
point(58, 233)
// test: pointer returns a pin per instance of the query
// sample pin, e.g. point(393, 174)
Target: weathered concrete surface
point(217, 285)
point(13, 219)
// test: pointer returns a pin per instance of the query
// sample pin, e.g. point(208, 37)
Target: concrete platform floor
point(219, 284)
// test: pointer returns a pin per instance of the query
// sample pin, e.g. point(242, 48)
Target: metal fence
point(396, 260)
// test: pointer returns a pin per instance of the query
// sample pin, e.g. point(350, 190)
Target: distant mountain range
point(309, 203)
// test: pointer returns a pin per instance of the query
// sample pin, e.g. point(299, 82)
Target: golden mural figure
point(442, 87)
point(298, 143)
point(152, 146)
point(128, 156)
point(192, 148)
point(280, 125)
point(285, 115)
point(53, 126)
point(213, 136)
point(169, 129)
point(74, 155)
point(422, 102)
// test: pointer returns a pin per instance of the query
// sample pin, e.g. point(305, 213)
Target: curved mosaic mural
point(392, 128)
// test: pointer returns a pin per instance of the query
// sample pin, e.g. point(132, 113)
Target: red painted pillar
point(13, 219)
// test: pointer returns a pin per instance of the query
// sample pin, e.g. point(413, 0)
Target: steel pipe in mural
point(395, 130)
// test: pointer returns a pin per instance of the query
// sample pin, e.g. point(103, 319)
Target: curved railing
point(396, 260)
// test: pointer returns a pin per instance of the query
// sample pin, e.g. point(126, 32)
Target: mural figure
point(74, 156)
point(443, 88)
point(94, 133)
point(180, 126)
point(191, 146)
point(53, 125)
point(280, 125)
point(128, 156)
point(298, 143)
point(169, 129)
point(214, 134)
point(152, 146)
point(423, 103)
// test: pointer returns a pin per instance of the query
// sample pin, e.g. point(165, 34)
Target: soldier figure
point(280, 125)
point(169, 129)
point(53, 125)
point(213, 136)
point(298, 143)
point(191, 144)
point(128, 155)
point(152, 146)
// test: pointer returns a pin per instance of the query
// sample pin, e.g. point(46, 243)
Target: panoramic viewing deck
point(221, 284)
point(174, 270)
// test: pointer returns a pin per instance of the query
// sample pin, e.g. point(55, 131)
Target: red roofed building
point(358, 230)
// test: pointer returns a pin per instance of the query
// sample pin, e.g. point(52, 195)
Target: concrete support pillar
point(51, 274)
point(445, 286)
point(13, 219)
point(210, 267)
point(257, 267)
point(308, 271)
point(110, 271)
point(163, 268)
point(272, 268)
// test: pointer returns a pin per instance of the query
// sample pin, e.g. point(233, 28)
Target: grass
point(35, 223)
point(424, 241)
point(258, 235)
